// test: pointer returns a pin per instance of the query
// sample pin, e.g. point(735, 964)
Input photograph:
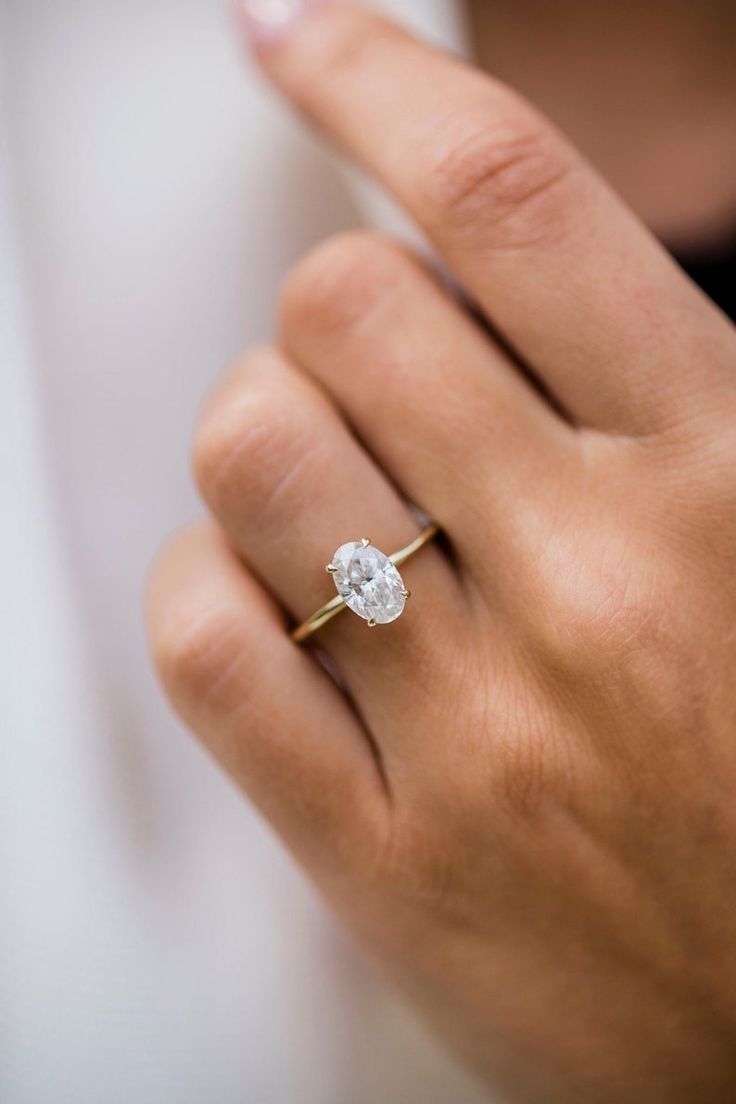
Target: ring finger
point(288, 482)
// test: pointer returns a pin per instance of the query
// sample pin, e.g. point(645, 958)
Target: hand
point(524, 802)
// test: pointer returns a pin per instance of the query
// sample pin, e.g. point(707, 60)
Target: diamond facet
point(368, 582)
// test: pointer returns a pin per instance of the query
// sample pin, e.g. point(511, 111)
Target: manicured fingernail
point(265, 21)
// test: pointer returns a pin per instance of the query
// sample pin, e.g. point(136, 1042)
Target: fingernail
point(265, 21)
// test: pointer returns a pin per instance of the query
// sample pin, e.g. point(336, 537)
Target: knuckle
point(527, 770)
point(507, 175)
point(616, 615)
point(244, 447)
point(340, 283)
point(534, 771)
point(602, 617)
point(196, 653)
point(611, 624)
point(417, 869)
point(697, 465)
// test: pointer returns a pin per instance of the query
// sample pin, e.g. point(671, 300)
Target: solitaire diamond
point(368, 582)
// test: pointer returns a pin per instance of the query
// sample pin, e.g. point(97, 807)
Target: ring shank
point(337, 604)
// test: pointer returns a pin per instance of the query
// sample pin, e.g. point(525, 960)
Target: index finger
point(566, 274)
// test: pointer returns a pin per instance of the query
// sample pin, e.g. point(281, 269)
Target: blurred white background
point(156, 945)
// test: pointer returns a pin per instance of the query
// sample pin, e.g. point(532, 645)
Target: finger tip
point(262, 24)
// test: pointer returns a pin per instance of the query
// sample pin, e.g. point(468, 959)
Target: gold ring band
point(337, 604)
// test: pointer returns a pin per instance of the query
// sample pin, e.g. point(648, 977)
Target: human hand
point(524, 802)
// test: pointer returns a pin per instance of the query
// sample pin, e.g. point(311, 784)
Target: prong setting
point(368, 582)
point(406, 593)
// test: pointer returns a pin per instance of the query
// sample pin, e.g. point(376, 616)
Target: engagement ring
point(367, 582)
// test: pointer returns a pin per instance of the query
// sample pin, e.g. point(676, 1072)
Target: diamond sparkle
point(367, 581)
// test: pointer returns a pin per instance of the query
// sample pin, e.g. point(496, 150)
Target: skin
point(520, 798)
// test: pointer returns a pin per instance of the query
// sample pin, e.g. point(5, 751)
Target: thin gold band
point(337, 605)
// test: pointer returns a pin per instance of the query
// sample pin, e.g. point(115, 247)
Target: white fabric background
point(156, 945)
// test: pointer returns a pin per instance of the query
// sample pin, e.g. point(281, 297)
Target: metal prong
point(330, 569)
point(406, 593)
point(371, 624)
point(365, 542)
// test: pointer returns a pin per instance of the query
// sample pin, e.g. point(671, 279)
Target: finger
point(570, 279)
point(443, 410)
point(224, 657)
point(289, 484)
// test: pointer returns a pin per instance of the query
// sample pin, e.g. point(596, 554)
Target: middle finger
point(440, 406)
point(583, 293)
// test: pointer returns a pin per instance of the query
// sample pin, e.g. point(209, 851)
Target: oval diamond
point(368, 582)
